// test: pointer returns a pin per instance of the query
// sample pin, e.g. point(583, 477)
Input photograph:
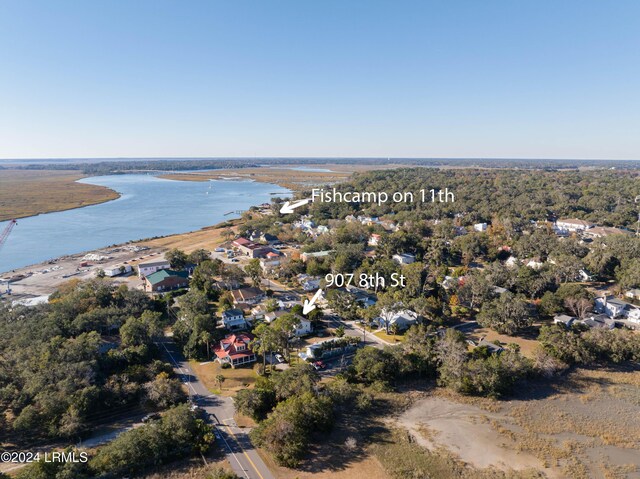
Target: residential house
point(493, 348)
point(311, 284)
point(271, 316)
point(402, 319)
point(633, 294)
point(147, 267)
point(512, 262)
point(404, 258)
point(611, 306)
point(374, 239)
point(234, 349)
point(165, 280)
point(598, 321)
point(302, 327)
point(233, 319)
point(572, 225)
point(248, 295)
point(634, 315)
point(534, 263)
point(270, 261)
point(566, 320)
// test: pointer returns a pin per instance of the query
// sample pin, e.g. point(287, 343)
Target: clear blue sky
point(476, 78)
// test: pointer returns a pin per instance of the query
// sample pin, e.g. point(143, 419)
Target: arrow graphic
point(289, 207)
point(308, 305)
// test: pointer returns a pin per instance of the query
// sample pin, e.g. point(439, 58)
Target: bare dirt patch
point(586, 425)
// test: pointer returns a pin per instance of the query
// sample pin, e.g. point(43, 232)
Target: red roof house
point(234, 349)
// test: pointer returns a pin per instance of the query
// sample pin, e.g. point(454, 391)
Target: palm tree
point(205, 337)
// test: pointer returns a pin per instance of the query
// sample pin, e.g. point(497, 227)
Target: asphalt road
point(241, 454)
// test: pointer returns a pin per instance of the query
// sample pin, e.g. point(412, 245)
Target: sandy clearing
point(464, 430)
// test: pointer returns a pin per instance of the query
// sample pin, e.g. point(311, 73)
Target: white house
point(564, 319)
point(611, 306)
point(633, 294)
point(481, 227)
point(534, 263)
point(148, 267)
point(311, 284)
point(374, 239)
point(303, 327)
point(404, 258)
point(403, 319)
point(634, 315)
point(572, 225)
point(233, 319)
point(512, 262)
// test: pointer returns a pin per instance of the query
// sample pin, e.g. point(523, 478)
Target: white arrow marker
point(308, 305)
point(289, 207)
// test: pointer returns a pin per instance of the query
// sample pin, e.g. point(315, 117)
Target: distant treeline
point(185, 164)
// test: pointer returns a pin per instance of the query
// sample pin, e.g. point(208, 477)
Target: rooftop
point(163, 274)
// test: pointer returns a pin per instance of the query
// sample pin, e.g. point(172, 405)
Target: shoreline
point(26, 193)
point(43, 278)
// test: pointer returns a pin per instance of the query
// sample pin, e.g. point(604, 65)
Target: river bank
point(42, 279)
point(25, 193)
point(148, 207)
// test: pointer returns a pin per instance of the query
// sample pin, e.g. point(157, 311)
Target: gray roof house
point(233, 319)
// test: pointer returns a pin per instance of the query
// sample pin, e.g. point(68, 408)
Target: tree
point(220, 380)
point(203, 277)
point(373, 365)
point(141, 331)
point(163, 391)
point(451, 353)
point(176, 258)
point(227, 234)
point(198, 256)
point(254, 270)
point(343, 303)
point(388, 304)
point(286, 432)
point(507, 314)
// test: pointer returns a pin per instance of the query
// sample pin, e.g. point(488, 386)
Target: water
point(148, 206)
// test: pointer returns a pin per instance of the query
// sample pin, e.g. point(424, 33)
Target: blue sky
point(545, 79)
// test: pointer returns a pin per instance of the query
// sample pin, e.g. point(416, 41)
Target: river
point(148, 206)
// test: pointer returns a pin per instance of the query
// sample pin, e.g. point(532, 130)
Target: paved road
point(241, 454)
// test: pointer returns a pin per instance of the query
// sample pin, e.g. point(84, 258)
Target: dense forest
point(108, 166)
point(603, 197)
point(86, 357)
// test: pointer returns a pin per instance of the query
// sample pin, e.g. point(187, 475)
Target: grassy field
point(288, 178)
point(207, 238)
point(234, 379)
point(27, 193)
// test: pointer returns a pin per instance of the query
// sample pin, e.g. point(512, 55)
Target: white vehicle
point(219, 250)
point(279, 358)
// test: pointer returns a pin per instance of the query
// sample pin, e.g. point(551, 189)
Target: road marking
point(188, 373)
point(244, 452)
point(235, 457)
point(223, 438)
